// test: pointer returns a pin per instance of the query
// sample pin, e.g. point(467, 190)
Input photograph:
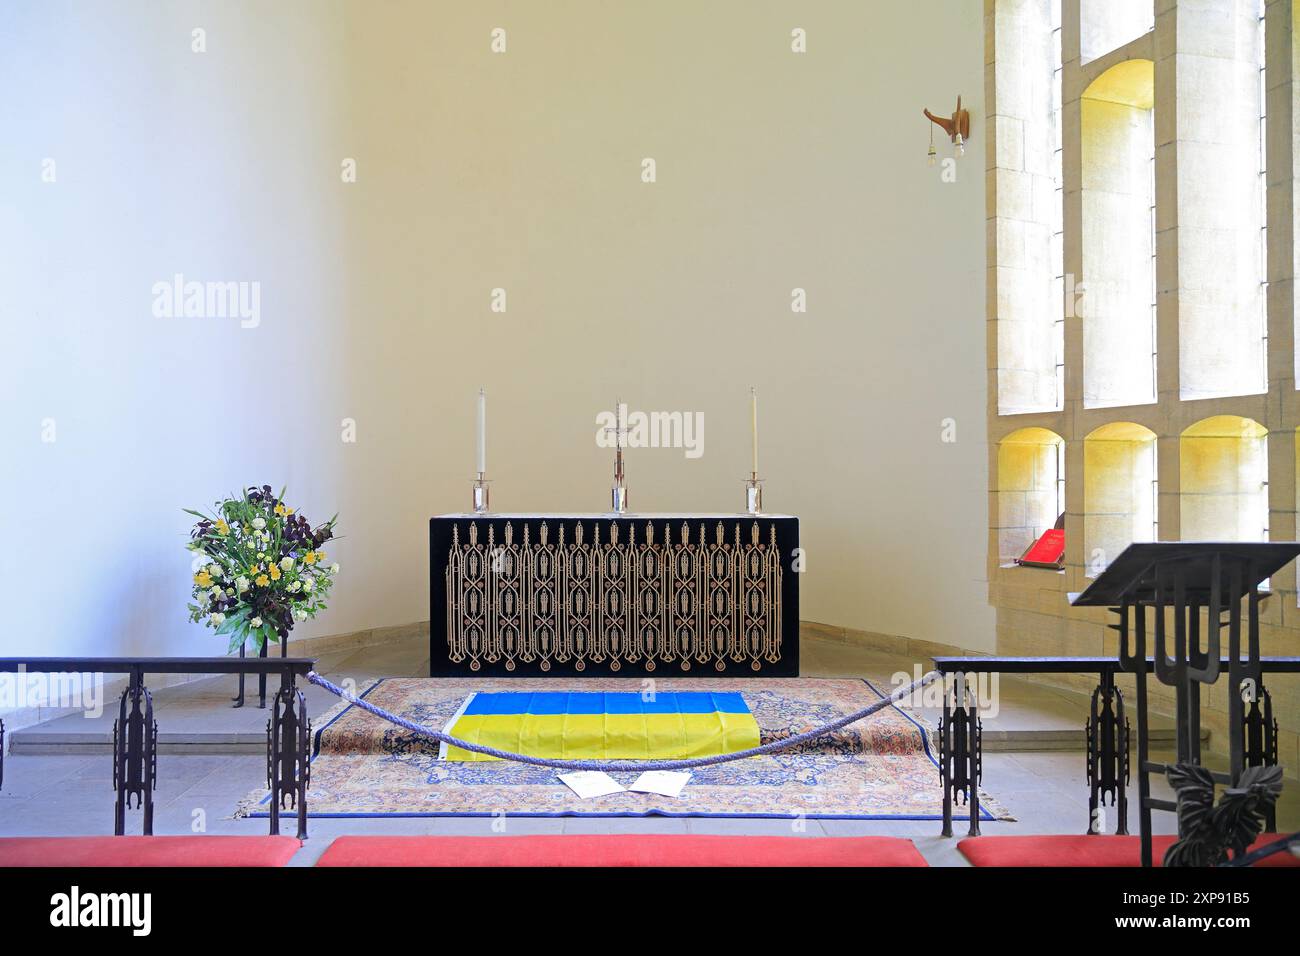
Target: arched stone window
point(1120, 492)
point(1026, 271)
point(1031, 488)
point(1219, 195)
point(1223, 470)
point(1117, 301)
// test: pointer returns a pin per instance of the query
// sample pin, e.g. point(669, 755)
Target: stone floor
point(58, 776)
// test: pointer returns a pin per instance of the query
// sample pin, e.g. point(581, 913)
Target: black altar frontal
point(603, 595)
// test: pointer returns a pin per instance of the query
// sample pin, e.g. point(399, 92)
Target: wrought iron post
point(960, 757)
point(288, 768)
point(1133, 658)
point(1108, 753)
point(1259, 741)
point(945, 774)
point(135, 754)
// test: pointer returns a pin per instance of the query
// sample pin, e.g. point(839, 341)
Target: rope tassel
point(615, 765)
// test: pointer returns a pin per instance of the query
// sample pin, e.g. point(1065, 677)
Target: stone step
point(195, 718)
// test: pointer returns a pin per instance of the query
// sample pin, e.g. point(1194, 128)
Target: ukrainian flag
point(616, 726)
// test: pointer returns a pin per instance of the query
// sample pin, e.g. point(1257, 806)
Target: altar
point(614, 595)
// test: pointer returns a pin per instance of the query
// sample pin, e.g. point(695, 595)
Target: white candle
point(753, 425)
point(482, 431)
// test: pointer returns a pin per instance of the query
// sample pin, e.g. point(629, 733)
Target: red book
point(1047, 552)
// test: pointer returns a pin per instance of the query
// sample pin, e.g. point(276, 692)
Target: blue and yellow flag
point(616, 726)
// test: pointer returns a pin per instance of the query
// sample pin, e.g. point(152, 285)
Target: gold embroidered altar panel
point(700, 598)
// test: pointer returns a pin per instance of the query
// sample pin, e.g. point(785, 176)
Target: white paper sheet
point(446, 728)
point(667, 783)
point(591, 783)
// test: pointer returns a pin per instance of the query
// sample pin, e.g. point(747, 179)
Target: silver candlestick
point(618, 493)
point(753, 494)
point(481, 494)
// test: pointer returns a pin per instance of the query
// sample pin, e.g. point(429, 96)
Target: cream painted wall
point(475, 171)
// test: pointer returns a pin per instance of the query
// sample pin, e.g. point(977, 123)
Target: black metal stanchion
point(288, 766)
point(960, 757)
point(135, 754)
point(1259, 744)
point(1108, 754)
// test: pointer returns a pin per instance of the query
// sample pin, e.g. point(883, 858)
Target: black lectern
point(1185, 578)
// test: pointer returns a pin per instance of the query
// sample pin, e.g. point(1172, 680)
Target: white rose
point(217, 618)
point(295, 587)
point(334, 568)
point(308, 584)
point(286, 564)
point(259, 523)
point(255, 622)
point(216, 593)
point(300, 615)
point(215, 571)
point(241, 584)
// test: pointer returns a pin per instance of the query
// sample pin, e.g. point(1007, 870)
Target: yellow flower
point(203, 579)
point(222, 527)
point(261, 581)
point(320, 555)
point(275, 572)
point(280, 510)
point(309, 557)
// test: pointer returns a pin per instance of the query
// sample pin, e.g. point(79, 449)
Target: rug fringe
point(249, 804)
point(993, 805)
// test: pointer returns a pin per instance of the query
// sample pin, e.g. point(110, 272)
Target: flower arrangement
point(259, 567)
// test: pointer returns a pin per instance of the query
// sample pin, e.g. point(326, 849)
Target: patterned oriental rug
point(882, 768)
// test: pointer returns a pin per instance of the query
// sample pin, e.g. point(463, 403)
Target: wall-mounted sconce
point(956, 126)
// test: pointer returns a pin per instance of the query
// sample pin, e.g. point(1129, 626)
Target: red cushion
point(148, 851)
point(620, 850)
point(1084, 850)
